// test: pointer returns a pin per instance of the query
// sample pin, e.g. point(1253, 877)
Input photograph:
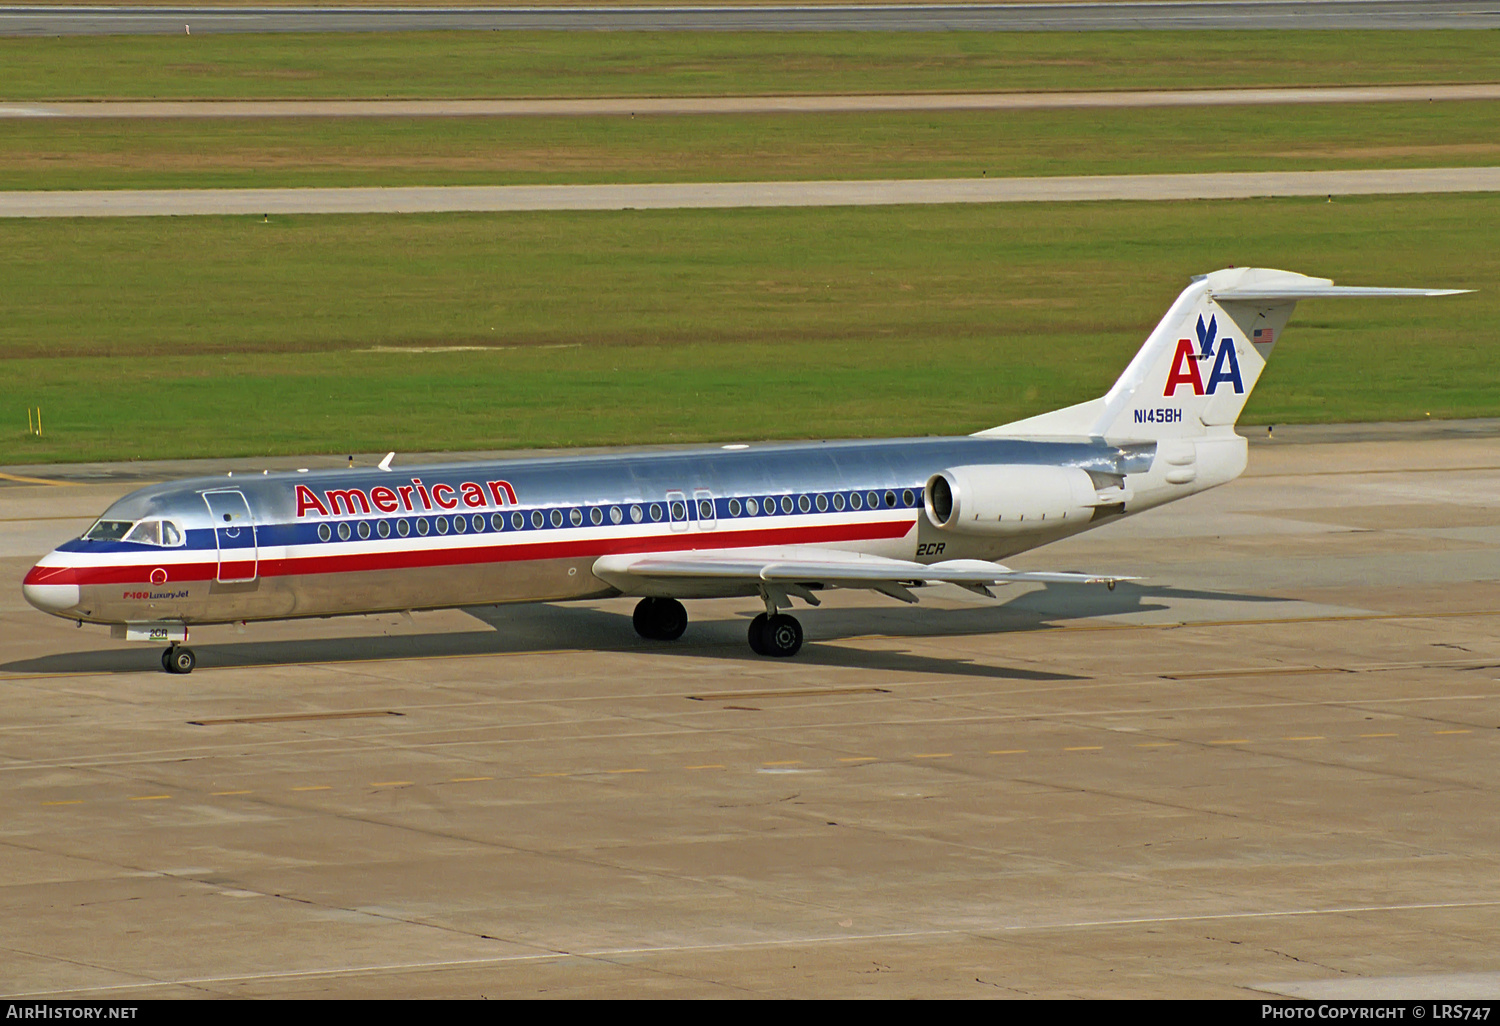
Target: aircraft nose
point(50, 589)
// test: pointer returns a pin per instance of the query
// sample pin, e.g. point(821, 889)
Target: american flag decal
point(1265, 335)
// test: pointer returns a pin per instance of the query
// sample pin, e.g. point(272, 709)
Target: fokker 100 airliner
point(775, 522)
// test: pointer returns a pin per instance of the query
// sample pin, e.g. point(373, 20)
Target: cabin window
point(576, 516)
point(538, 518)
point(497, 521)
point(656, 511)
point(872, 500)
point(478, 521)
point(804, 503)
point(383, 528)
point(734, 507)
point(616, 514)
point(441, 523)
point(635, 514)
point(890, 498)
point(679, 511)
point(108, 530)
point(786, 504)
point(908, 498)
point(751, 507)
point(344, 531)
point(364, 529)
point(422, 526)
point(324, 533)
point(705, 510)
point(460, 525)
point(557, 518)
point(838, 501)
point(516, 520)
point(403, 528)
point(596, 516)
point(822, 502)
point(855, 502)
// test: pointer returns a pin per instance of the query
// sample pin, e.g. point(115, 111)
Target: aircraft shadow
point(524, 629)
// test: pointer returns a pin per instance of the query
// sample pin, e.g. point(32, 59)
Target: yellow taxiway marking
point(467, 780)
point(626, 771)
point(784, 762)
point(223, 794)
point(933, 755)
point(70, 801)
point(37, 480)
point(562, 773)
point(1232, 741)
point(150, 797)
point(1268, 622)
point(1377, 735)
point(1009, 751)
point(1158, 744)
point(392, 783)
point(723, 696)
point(1269, 671)
point(1453, 732)
point(295, 717)
point(315, 787)
point(1306, 737)
point(857, 758)
point(707, 765)
point(1085, 748)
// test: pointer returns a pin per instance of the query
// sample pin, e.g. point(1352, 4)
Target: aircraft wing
point(797, 570)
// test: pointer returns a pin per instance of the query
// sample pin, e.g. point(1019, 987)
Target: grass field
point(260, 153)
point(218, 336)
point(503, 64)
point(180, 337)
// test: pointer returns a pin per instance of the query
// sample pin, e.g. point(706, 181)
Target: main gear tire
point(758, 635)
point(660, 619)
point(782, 636)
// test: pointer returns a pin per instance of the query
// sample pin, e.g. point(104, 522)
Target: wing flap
point(829, 568)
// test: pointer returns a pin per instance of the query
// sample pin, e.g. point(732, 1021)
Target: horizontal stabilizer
point(1294, 292)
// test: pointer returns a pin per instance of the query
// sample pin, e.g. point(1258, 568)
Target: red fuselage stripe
point(357, 562)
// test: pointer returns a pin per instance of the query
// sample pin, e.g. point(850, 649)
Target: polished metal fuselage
point(366, 540)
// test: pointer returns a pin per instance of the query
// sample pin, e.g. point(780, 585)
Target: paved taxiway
point(828, 104)
point(701, 195)
point(1268, 767)
point(918, 17)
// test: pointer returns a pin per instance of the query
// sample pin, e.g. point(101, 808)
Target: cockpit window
point(145, 532)
point(108, 530)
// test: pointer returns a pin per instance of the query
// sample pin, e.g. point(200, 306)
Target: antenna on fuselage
point(385, 464)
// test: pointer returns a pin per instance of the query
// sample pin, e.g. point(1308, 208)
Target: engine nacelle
point(1009, 498)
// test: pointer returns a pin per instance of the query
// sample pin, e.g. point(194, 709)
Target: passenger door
point(234, 532)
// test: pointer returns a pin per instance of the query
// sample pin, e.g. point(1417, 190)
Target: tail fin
point(1198, 367)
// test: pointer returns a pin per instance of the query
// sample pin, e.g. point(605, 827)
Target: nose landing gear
point(178, 659)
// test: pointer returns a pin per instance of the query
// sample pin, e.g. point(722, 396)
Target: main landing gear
point(771, 633)
point(660, 619)
point(775, 635)
point(178, 659)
